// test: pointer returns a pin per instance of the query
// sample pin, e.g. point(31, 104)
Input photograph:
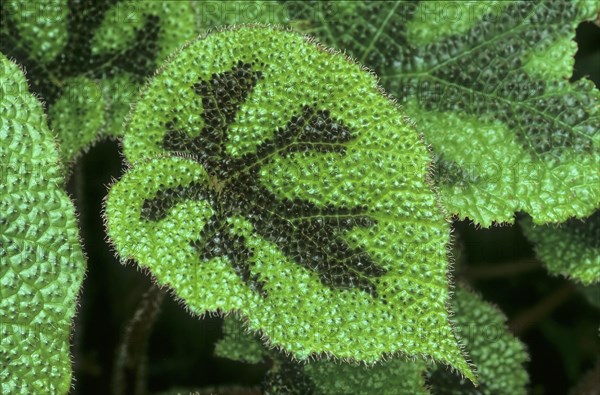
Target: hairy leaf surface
point(41, 261)
point(497, 355)
point(571, 249)
point(488, 85)
point(323, 377)
point(283, 184)
point(88, 59)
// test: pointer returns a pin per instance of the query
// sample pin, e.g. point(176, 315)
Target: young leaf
point(487, 84)
point(274, 178)
point(87, 59)
point(571, 249)
point(497, 354)
point(41, 261)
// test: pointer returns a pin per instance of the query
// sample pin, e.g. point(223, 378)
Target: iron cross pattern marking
point(307, 234)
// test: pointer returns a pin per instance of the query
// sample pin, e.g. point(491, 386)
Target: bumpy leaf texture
point(273, 177)
point(41, 261)
point(496, 353)
point(87, 59)
point(487, 83)
point(395, 377)
point(322, 377)
point(571, 249)
point(229, 390)
point(498, 356)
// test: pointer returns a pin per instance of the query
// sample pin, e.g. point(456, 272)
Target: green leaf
point(41, 261)
point(571, 249)
point(322, 377)
point(237, 12)
point(284, 185)
point(487, 84)
point(497, 354)
point(87, 59)
point(393, 377)
point(238, 344)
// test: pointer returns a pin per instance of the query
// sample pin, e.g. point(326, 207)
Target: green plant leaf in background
point(41, 261)
point(238, 344)
point(496, 353)
point(229, 390)
point(323, 377)
point(285, 185)
point(487, 84)
point(571, 249)
point(87, 59)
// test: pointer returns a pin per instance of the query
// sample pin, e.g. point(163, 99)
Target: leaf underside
point(311, 205)
point(41, 261)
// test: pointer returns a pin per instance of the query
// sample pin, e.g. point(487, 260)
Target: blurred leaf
point(591, 293)
point(213, 391)
point(571, 249)
point(589, 383)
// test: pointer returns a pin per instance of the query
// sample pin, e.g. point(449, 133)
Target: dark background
point(558, 325)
